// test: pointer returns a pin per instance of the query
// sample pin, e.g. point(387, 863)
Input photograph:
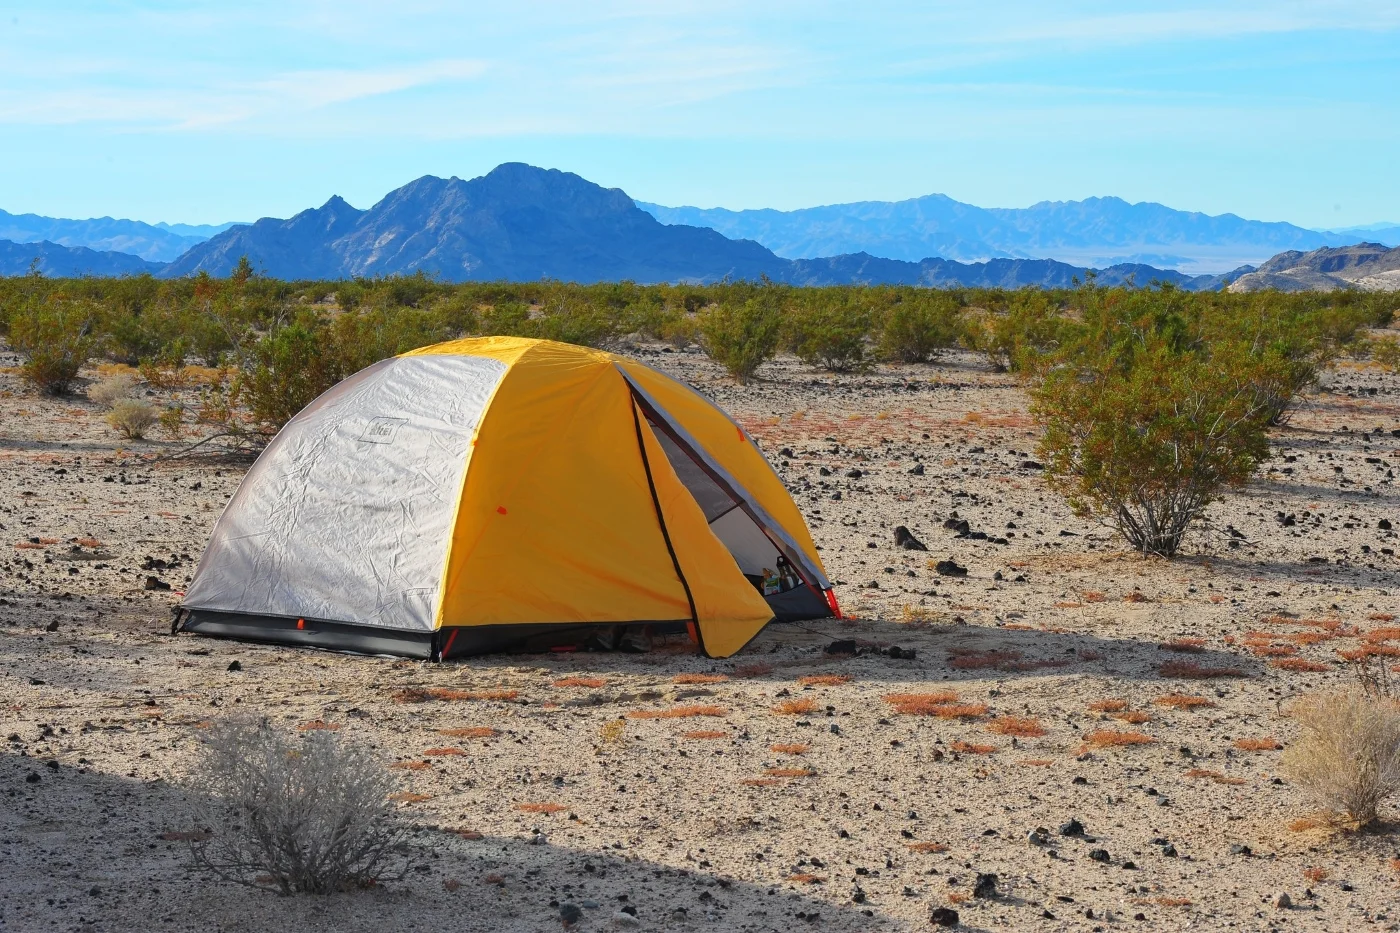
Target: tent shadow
point(941, 653)
point(85, 848)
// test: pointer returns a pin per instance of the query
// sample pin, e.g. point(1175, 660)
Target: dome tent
point(500, 493)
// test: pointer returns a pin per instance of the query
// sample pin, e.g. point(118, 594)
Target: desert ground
point(807, 800)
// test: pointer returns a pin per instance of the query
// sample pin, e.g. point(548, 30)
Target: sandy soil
point(899, 813)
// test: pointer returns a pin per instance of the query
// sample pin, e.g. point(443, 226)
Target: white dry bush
point(309, 814)
point(1347, 760)
point(133, 417)
point(112, 389)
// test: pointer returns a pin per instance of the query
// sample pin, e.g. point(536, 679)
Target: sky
point(194, 112)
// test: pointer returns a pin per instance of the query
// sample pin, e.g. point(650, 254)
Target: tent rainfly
point(504, 494)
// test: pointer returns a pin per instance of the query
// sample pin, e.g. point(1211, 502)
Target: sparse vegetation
point(132, 418)
point(310, 815)
point(1347, 758)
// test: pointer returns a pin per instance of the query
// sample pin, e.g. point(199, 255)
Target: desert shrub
point(310, 813)
point(1347, 759)
point(132, 417)
point(741, 337)
point(113, 388)
point(1385, 352)
point(828, 330)
point(56, 338)
point(1143, 433)
point(288, 368)
point(574, 317)
point(916, 328)
point(1017, 337)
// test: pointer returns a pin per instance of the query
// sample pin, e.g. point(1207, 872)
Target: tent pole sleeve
point(665, 534)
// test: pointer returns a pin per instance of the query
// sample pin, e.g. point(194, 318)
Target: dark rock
point(235, 666)
point(854, 474)
point(823, 471)
point(960, 525)
point(916, 470)
point(1238, 849)
point(1384, 524)
point(1032, 465)
point(1072, 828)
point(1099, 855)
point(949, 568)
point(155, 583)
point(943, 917)
point(569, 914)
point(843, 646)
point(52, 626)
point(32, 778)
point(986, 886)
point(905, 539)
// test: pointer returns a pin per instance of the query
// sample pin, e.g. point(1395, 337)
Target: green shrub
point(1023, 334)
point(287, 369)
point(574, 317)
point(828, 330)
point(918, 327)
point(56, 338)
point(1143, 437)
point(741, 337)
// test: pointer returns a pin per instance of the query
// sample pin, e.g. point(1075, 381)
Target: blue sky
point(205, 112)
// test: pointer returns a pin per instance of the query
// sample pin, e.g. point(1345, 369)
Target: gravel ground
point(802, 805)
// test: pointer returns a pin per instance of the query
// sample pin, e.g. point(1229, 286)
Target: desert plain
point(1112, 758)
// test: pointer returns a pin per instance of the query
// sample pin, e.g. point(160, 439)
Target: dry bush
point(1265, 744)
point(1023, 726)
point(790, 749)
point(1183, 701)
point(1184, 645)
point(310, 814)
point(1190, 670)
point(132, 418)
point(705, 734)
point(1109, 706)
point(545, 808)
point(1216, 777)
point(789, 772)
point(1347, 758)
point(796, 707)
point(1300, 665)
point(1133, 716)
point(1316, 875)
point(590, 682)
point(969, 748)
point(113, 388)
point(925, 847)
point(700, 678)
point(1110, 738)
point(756, 669)
point(824, 680)
point(677, 712)
point(443, 752)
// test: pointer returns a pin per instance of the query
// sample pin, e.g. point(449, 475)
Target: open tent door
point(727, 611)
point(775, 569)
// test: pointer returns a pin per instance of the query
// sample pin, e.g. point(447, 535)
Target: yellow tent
point(500, 493)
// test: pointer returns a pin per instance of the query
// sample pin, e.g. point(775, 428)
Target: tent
point(500, 493)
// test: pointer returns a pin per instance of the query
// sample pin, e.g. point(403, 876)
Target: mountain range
point(1366, 266)
point(1092, 232)
point(154, 242)
point(519, 222)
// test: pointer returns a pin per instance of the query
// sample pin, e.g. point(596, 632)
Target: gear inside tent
point(499, 494)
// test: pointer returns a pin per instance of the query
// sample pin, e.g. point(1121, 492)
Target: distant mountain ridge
point(59, 261)
point(1092, 232)
point(518, 223)
point(154, 242)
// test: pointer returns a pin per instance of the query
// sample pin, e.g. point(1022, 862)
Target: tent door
point(775, 569)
